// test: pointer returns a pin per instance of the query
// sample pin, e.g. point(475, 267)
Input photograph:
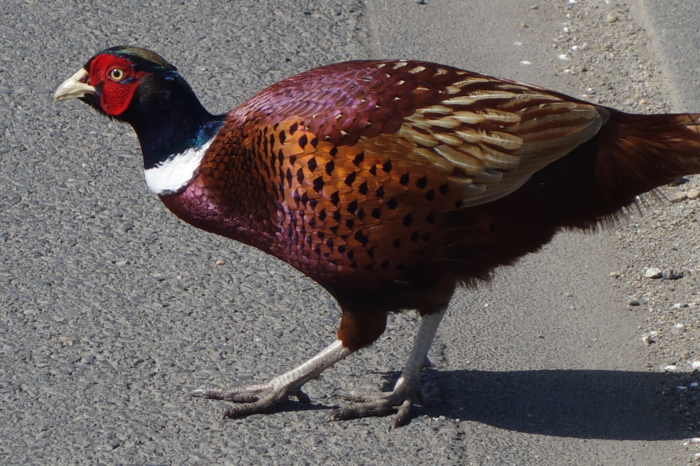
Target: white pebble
point(670, 367)
point(564, 57)
point(525, 62)
point(649, 338)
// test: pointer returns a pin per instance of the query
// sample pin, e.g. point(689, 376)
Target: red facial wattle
point(117, 81)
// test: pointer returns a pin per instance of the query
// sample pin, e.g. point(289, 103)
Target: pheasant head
point(141, 88)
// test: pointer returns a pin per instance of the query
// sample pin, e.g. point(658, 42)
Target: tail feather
point(637, 153)
point(630, 155)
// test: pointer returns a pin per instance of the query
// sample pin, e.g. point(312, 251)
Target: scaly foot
point(253, 399)
point(263, 398)
point(399, 401)
point(407, 388)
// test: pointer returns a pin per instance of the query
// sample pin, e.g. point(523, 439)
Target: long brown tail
point(637, 153)
point(630, 155)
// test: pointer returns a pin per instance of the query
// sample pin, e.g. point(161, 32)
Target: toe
point(403, 414)
point(380, 404)
point(263, 405)
point(383, 405)
point(242, 395)
point(367, 409)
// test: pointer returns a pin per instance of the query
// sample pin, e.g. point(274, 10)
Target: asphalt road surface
point(112, 310)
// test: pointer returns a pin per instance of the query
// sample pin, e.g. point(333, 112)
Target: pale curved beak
point(74, 87)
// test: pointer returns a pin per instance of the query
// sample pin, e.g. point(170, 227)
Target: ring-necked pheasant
point(387, 182)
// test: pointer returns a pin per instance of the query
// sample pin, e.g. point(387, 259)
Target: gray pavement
point(111, 310)
point(675, 32)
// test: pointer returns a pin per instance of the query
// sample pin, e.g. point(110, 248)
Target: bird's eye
point(116, 74)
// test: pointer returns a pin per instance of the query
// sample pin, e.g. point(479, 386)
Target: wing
point(487, 134)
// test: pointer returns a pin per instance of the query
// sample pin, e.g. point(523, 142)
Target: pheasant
point(388, 182)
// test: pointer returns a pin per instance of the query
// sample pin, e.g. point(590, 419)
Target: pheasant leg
point(407, 388)
point(260, 398)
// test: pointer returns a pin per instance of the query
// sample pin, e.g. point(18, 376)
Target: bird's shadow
point(591, 404)
point(615, 405)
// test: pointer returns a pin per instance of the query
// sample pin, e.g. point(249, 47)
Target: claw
point(403, 415)
point(382, 404)
point(406, 390)
point(266, 397)
point(263, 398)
point(253, 399)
